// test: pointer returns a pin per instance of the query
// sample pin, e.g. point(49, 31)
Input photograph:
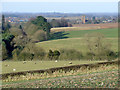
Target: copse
point(60, 23)
point(42, 24)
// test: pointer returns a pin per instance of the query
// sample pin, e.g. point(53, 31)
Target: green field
point(37, 65)
point(75, 40)
point(108, 33)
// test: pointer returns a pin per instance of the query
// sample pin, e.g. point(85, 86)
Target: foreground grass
point(37, 65)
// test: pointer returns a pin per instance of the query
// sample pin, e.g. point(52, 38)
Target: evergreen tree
point(42, 23)
point(3, 23)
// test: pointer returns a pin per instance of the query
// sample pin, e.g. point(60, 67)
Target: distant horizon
point(61, 12)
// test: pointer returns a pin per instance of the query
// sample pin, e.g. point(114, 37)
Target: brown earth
point(86, 27)
point(102, 25)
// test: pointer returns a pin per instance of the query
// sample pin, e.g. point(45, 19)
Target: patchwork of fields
point(68, 39)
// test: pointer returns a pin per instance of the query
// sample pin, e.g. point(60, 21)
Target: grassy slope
point(30, 65)
point(75, 40)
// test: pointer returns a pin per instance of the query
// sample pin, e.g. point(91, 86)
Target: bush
point(56, 54)
point(50, 54)
point(25, 56)
point(70, 54)
point(89, 56)
point(39, 36)
point(53, 55)
point(16, 52)
point(4, 52)
point(31, 52)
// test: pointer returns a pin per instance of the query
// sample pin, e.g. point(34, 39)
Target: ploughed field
point(108, 79)
point(102, 75)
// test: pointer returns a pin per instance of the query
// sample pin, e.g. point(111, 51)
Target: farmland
point(99, 76)
point(86, 27)
point(37, 65)
point(95, 80)
point(75, 39)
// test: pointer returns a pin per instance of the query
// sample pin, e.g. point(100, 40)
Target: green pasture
point(73, 43)
point(109, 33)
point(75, 40)
point(8, 66)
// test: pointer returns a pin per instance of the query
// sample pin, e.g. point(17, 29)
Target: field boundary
point(66, 68)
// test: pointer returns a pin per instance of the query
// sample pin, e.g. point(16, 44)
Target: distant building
point(83, 19)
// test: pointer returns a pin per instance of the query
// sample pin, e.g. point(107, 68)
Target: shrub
point(25, 56)
point(89, 56)
point(53, 55)
point(50, 54)
point(56, 54)
point(98, 48)
point(16, 52)
point(39, 36)
point(31, 52)
point(4, 52)
point(70, 54)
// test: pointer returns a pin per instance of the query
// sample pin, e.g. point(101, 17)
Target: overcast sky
point(64, 7)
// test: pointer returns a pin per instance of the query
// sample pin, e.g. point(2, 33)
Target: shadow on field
point(59, 35)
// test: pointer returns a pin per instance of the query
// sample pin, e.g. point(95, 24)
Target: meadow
point(37, 65)
point(75, 40)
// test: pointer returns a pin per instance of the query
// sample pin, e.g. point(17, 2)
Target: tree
point(7, 39)
point(20, 27)
point(55, 23)
point(64, 22)
point(42, 23)
point(98, 48)
point(3, 23)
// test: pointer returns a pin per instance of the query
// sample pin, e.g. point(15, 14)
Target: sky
point(62, 7)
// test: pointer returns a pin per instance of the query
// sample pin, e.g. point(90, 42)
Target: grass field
point(75, 40)
point(108, 33)
point(37, 65)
